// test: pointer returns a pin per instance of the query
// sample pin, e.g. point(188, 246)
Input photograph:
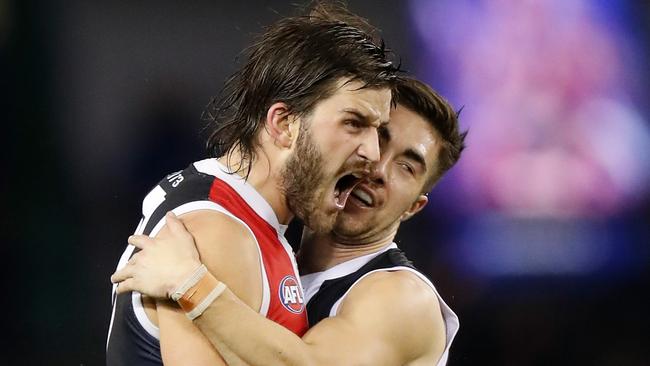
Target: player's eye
point(354, 123)
point(407, 168)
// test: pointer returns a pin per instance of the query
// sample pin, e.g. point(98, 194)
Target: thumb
point(174, 223)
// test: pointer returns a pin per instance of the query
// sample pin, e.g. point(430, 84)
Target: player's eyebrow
point(365, 117)
point(357, 113)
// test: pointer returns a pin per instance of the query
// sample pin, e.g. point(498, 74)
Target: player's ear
point(280, 126)
point(416, 207)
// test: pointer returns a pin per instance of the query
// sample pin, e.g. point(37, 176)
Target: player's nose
point(369, 147)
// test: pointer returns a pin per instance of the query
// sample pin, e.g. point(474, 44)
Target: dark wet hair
point(421, 99)
point(298, 61)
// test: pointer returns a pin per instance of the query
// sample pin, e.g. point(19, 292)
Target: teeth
point(357, 175)
point(363, 196)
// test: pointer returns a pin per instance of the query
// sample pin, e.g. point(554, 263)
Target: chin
point(320, 222)
point(350, 229)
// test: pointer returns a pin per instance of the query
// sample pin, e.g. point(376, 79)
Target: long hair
point(297, 61)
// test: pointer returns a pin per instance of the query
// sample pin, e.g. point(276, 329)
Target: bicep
point(357, 333)
point(229, 252)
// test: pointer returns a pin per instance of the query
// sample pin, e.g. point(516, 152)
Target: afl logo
point(291, 295)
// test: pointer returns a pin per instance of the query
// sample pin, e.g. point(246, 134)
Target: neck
point(319, 252)
point(266, 180)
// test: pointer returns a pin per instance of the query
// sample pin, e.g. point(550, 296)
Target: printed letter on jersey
point(291, 295)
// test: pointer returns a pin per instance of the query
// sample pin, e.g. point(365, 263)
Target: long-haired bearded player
point(366, 302)
point(298, 125)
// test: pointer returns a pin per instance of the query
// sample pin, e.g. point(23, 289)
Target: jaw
point(353, 225)
point(322, 218)
point(359, 224)
point(360, 234)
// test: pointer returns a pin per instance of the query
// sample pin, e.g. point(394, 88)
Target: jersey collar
point(248, 193)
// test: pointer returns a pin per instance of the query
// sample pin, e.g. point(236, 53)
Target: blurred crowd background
point(538, 239)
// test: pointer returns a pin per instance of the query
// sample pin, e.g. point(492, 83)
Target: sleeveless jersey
point(325, 290)
point(133, 339)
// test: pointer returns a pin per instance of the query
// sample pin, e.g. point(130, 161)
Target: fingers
point(140, 241)
point(125, 286)
point(122, 275)
point(174, 223)
point(124, 279)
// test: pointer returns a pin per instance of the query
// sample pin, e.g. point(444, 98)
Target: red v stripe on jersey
point(277, 263)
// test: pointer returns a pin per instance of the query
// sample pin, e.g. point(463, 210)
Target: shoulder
point(388, 288)
point(402, 306)
point(220, 235)
point(229, 249)
point(215, 223)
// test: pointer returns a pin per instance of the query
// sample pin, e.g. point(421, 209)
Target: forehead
point(409, 130)
point(373, 102)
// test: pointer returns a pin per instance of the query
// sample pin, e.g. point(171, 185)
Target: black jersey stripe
point(320, 305)
point(195, 186)
point(129, 342)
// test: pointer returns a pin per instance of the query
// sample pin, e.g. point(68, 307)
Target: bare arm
point(388, 318)
point(227, 249)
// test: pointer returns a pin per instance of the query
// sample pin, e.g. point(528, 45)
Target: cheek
point(400, 193)
point(324, 139)
point(338, 147)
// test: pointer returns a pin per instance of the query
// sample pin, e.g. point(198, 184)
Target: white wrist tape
point(189, 283)
point(200, 308)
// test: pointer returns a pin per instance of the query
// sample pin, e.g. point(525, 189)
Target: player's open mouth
point(362, 197)
point(344, 187)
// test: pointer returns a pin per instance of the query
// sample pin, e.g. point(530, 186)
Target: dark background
point(101, 99)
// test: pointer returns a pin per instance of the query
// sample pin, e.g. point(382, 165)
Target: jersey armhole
point(335, 308)
point(449, 317)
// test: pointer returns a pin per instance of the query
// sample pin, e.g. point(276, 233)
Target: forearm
point(234, 328)
point(182, 343)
